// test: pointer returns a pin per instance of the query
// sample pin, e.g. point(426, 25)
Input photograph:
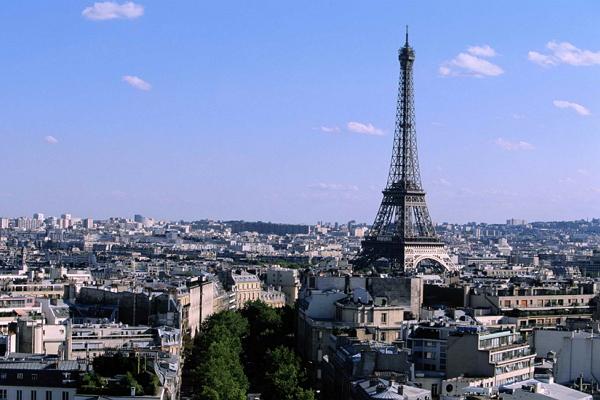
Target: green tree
point(218, 373)
point(285, 376)
point(128, 382)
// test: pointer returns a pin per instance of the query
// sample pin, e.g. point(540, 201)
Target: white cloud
point(137, 82)
point(50, 139)
point(566, 181)
point(336, 187)
point(513, 145)
point(472, 63)
point(365, 129)
point(329, 129)
point(583, 171)
point(111, 10)
point(564, 53)
point(578, 108)
point(540, 58)
point(442, 182)
point(482, 51)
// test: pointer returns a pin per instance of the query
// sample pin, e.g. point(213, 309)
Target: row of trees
point(240, 352)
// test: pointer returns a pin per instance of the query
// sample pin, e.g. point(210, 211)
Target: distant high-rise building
point(139, 218)
point(88, 223)
point(4, 223)
point(28, 223)
point(66, 216)
point(516, 222)
point(38, 216)
point(64, 223)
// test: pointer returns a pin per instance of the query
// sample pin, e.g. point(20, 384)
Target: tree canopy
point(249, 349)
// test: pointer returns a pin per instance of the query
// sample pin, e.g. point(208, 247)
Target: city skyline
point(287, 115)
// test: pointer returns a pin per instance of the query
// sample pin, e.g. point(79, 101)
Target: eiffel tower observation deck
point(403, 232)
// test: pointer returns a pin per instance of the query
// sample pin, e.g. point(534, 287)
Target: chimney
point(132, 391)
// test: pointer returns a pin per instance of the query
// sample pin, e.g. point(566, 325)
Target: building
point(576, 354)
point(285, 279)
point(363, 308)
point(537, 306)
point(377, 388)
point(501, 355)
point(86, 341)
point(200, 298)
point(428, 344)
point(273, 298)
point(39, 378)
point(537, 390)
point(246, 287)
point(349, 360)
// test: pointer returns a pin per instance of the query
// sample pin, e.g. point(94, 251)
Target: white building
point(536, 390)
point(285, 279)
point(577, 354)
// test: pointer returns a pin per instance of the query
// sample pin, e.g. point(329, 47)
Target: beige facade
point(382, 321)
point(246, 287)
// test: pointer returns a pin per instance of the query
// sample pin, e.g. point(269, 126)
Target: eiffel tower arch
point(403, 232)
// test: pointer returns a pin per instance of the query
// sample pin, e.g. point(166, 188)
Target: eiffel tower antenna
point(403, 232)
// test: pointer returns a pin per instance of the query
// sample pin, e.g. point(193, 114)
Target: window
point(34, 377)
point(3, 394)
point(33, 395)
point(384, 318)
point(65, 395)
point(382, 336)
point(19, 395)
point(48, 395)
point(20, 375)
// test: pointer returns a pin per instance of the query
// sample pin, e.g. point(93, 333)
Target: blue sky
point(284, 111)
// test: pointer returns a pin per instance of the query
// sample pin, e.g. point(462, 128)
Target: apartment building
point(246, 286)
point(498, 354)
point(537, 306)
point(364, 308)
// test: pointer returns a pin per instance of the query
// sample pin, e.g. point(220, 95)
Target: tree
point(218, 373)
point(284, 376)
point(128, 382)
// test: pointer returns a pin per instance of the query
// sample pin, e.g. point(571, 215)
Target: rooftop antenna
point(406, 44)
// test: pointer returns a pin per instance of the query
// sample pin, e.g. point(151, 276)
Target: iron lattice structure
point(403, 232)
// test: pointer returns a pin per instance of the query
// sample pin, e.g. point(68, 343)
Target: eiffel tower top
point(404, 171)
point(407, 53)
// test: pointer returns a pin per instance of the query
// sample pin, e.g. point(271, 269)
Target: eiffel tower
point(402, 232)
